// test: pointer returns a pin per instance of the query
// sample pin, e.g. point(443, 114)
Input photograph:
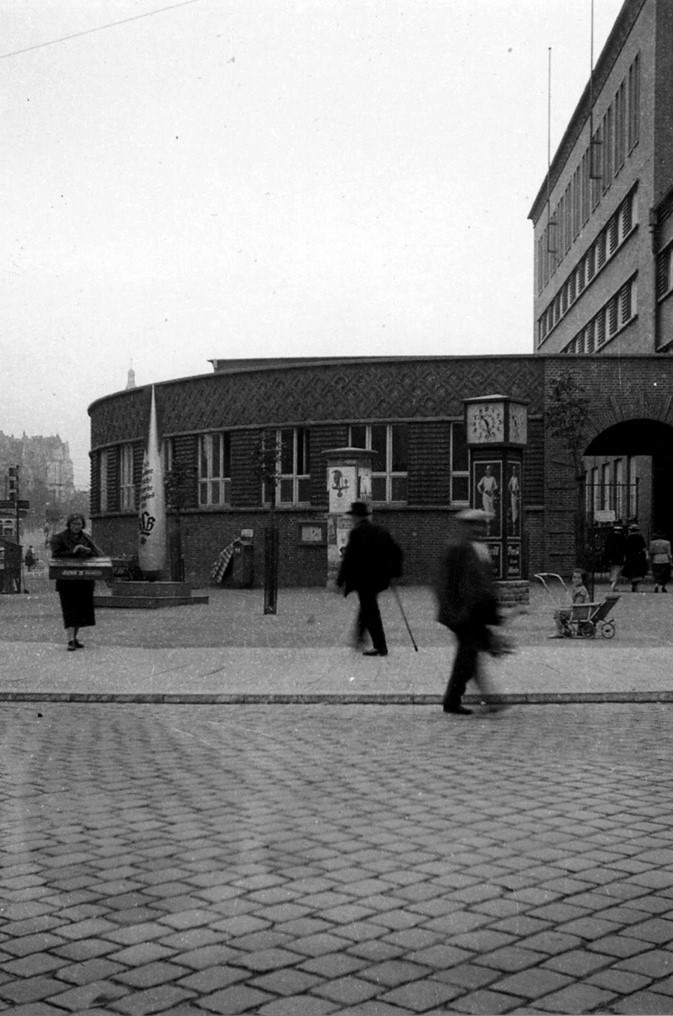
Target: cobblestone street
point(375, 860)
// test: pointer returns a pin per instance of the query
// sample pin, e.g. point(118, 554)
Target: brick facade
point(427, 394)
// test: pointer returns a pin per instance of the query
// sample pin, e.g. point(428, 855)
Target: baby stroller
point(579, 620)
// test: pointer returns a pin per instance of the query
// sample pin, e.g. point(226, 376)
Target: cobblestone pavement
point(300, 860)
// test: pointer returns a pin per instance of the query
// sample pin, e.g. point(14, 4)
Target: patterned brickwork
point(350, 392)
point(427, 393)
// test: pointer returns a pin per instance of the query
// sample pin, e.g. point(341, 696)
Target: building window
point(215, 469)
point(127, 487)
point(287, 452)
point(460, 474)
point(619, 489)
point(104, 472)
point(606, 485)
point(608, 142)
point(620, 135)
point(167, 454)
point(295, 478)
point(388, 442)
point(665, 272)
point(634, 104)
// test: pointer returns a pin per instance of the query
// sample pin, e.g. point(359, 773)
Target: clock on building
point(518, 423)
point(495, 419)
point(485, 422)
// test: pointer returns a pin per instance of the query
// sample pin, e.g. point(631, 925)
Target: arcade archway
point(629, 476)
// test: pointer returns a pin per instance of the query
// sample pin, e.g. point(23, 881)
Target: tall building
point(602, 217)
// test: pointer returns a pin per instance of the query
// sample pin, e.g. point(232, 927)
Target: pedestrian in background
point(635, 557)
point(467, 604)
point(29, 558)
point(76, 595)
point(614, 554)
point(660, 561)
point(371, 559)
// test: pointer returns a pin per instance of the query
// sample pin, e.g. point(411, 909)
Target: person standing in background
point(660, 561)
point(635, 557)
point(614, 554)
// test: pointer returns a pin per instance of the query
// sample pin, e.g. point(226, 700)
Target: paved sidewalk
point(229, 651)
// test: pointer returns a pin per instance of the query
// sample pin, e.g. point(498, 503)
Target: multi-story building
point(602, 215)
point(603, 229)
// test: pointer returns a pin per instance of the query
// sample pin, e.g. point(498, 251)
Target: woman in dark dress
point(76, 595)
point(635, 557)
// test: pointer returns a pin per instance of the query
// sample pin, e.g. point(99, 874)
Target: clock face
point(518, 423)
point(485, 423)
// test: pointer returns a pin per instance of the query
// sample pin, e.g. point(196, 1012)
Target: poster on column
point(513, 500)
point(487, 487)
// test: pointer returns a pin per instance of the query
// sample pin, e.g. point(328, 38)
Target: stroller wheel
point(587, 630)
point(608, 629)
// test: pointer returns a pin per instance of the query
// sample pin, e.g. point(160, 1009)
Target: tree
point(567, 415)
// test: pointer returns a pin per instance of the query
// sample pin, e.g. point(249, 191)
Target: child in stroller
point(578, 594)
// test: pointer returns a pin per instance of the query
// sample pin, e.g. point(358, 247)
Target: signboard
point(74, 568)
point(513, 559)
point(11, 506)
point(312, 534)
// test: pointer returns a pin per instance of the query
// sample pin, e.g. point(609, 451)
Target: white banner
point(152, 506)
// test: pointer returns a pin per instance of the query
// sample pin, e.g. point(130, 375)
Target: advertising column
point(497, 432)
point(349, 478)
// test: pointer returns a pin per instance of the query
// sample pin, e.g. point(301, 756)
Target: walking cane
point(404, 616)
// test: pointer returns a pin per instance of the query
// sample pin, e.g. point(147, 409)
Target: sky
point(215, 179)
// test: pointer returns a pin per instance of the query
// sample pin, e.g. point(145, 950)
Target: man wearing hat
point(467, 604)
point(371, 558)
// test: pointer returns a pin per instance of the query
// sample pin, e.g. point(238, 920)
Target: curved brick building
point(410, 412)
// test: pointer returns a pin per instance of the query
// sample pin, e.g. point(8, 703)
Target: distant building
point(42, 460)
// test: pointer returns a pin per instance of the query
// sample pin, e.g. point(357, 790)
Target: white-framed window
point(390, 470)
point(460, 467)
point(104, 472)
point(291, 456)
point(215, 468)
point(127, 488)
point(606, 485)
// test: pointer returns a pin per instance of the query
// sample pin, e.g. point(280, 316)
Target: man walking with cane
point(371, 559)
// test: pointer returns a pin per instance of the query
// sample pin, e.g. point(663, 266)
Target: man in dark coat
point(467, 604)
point(371, 559)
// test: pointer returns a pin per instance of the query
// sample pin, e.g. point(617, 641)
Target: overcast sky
point(231, 178)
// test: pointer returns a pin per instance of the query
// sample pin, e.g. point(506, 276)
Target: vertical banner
point(152, 506)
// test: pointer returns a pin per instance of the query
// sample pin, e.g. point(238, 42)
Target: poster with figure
point(487, 488)
point(514, 500)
